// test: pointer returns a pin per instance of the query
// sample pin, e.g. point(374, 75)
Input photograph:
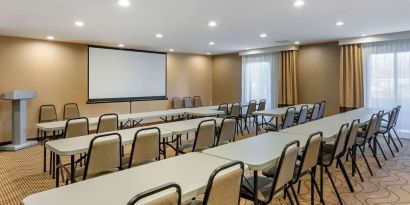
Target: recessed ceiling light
point(297, 42)
point(121, 45)
point(50, 38)
point(208, 53)
point(79, 23)
point(211, 43)
point(171, 50)
point(124, 3)
point(247, 48)
point(263, 35)
point(340, 23)
point(212, 23)
point(158, 35)
point(298, 3)
point(363, 35)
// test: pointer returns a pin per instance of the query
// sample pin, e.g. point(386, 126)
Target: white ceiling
point(184, 22)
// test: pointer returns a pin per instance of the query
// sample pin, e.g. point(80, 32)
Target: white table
point(77, 145)
point(190, 171)
point(281, 111)
point(259, 152)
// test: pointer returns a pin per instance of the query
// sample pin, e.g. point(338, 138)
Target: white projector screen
point(117, 75)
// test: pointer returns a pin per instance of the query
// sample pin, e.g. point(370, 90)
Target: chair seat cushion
point(126, 161)
point(264, 187)
point(186, 147)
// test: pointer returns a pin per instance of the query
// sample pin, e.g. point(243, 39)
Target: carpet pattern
point(21, 175)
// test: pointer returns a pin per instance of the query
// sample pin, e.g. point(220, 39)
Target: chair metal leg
point(388, 145)
point(374, 155)
point(389, 135)
point(345, 175)
point(365, 160)
point(294, 194)
point(333, 184)
point(356, 168)
point(397, 136)
point(288, 194)
point(380, 147)
point(313, 176)
point(299, 182)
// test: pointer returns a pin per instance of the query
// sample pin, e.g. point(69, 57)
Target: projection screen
point(118, 75)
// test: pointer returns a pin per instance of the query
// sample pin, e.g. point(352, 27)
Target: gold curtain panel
point(288, 87)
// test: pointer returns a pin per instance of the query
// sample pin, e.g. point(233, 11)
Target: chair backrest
point(224, 107)
point(173, 198)
point(187, 102)
point(370, 129)
point(224, 188)
point(311, 153)
point(146, 146)
point(205, 135)
point(285, 168)
point(397, 115)
point(262, 105)
point(340, 141)
point(289, 117)
point(352, 134)
point(71, 111)
point(197, 101)
point(392, 118)
point(176, 103)
point(251, 107)
point(322, 109)
point(228, 129)
point(315, 112)
point(104, 155)
point(379, 121)
point(302, 116)
point(107, 123)
point(76, 127)
point(236, 109)
point(48, 113)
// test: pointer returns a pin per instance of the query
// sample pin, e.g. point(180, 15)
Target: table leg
point(375, 145)
point(321, 172)
point(57, 171)
point(53, 162)
point(257, 126)
point(164, 148)
point(354, 159)
point(255, 187)
point(177, 146)
point(72, 172)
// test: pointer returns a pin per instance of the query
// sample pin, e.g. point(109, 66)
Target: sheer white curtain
point(260, 77)
point(387, 77)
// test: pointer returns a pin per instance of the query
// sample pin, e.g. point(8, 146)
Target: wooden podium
point(19, 116)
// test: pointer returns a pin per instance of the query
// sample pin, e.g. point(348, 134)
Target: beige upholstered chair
point(145, 147)
point(176, 103)
point(107, 123)
point(71, 111)
point(223, 188)
point(173, 198)
point(236, 110)
point(225, 108)
point(283, 177)
point(249, 114)
point(365, 137)
point(288, 121)
point(315, 112)
point(197, 101)
point(76, 127)
point(302, 115)
point(187, 102)
point(47, 114)
point(204, 137)
point(322, 109)
point(227, 131)
point(350, 146)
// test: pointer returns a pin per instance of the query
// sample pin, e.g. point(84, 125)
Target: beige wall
point(318, 75)
point(226, 78)
point(58, 71)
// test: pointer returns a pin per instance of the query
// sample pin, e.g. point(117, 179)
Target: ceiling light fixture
point(171, 50)
point(211, 43)
point(297, 42)
point(79, 23)
point(208, 53)
point(263, 35)
point(124, 3)
point(298, 3)
point(50, 38)
point(158, 35)
point(363, 35)
point(121, 45)
point(247, 48)
point(212, 23)
point(340, 23)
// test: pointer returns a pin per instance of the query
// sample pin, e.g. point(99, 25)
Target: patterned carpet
point(21, 175)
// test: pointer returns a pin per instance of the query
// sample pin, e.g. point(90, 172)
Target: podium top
point(19, 95)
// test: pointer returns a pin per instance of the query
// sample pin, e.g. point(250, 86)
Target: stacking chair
point(103, 157)
point(71, 111)
point(377, 132)
point(224, 188)
point(225, 108)
point(236, 112)
point(350, 146)
point(322, 109)
point(287, 121)
point(395, 123)
point(173, 198)
point(145, 147)
point(335, 151)
point(367, 137)
point(227, 131)
point(386, 130)
point(249, 114)
point(197, 101)
point(282, 178)
point(187, 102)
point(261, 107)
point(204, 137)
point(315, 112)
point(107, 123)
point(176, 103)
point(47, 114)
point(302, 115)
point(307, 164)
